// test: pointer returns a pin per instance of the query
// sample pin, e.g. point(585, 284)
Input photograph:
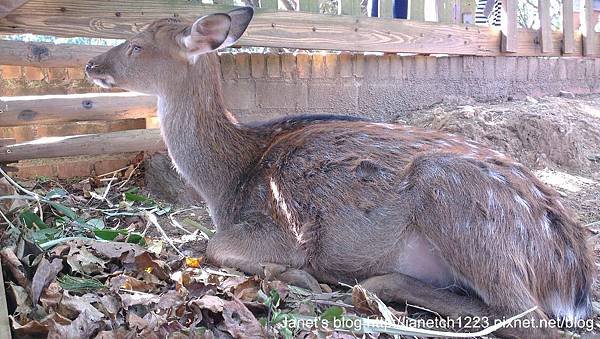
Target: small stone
point(531, 100)
point(566, 94)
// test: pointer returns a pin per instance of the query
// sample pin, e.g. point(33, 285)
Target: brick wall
point(259, 87)
point(383, 87)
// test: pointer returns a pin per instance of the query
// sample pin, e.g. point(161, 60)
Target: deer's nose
point(89, 66)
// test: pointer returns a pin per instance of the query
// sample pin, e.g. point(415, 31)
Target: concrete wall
point(261, 86)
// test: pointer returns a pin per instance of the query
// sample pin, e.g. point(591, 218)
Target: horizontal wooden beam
point(89, 144)
point(46, 54)
point(8, 6)
point(49, 109)
point(121, 19)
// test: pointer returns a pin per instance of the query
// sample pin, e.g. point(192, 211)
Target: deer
point(413, 215)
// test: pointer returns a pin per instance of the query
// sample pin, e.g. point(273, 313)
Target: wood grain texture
point(587, 22)
point(273, 29)
point(509, 26)
point(8, 6)
point(6, 141)
point(545, 25)
point(568, 44)
point(446, 11)
point(89, 144)
point(47, 109)
point(46, 55)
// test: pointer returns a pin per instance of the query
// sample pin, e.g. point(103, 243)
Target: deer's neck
point(208, 147)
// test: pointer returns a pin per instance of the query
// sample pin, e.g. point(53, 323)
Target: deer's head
point(163, 54)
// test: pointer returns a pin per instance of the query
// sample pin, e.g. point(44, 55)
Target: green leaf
point(71, 283)
point(136, 238)
point(44, 235)
point(96, 223)
point(109, 234)
point(66, 211)
point(30, 219)
point(56, 193)
point(332, 313)
point(139, 198)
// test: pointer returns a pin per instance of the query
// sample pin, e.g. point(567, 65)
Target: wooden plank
point(46, 55)
point(4, 320)
point(545, 25)
point(509, 26)
point(279, 29)
point(7, 141)
point(46, 109)
point(446, 11)
point(417, 10)
point(349, 7)
point(8, 6)
point(568, 27)
point(311, 6)
point(386, 9)
point(269, 4)
point(587, 24)
point(89, 144)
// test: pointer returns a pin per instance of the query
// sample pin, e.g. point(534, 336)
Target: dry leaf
point(51, 296)
point(45, 274)
point(210, 302)
point(135, 299)
point(72, 306)
point(82, 261)
point(240, 322)
point(159, 268)
point(363, 303)
point(193, 262)
point(85, 326)
point(130, 283)
point(10, 260)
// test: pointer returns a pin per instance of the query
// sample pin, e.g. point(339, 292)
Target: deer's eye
point(136, 48)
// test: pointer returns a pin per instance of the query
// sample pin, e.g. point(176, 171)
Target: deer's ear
point(207, 34)
point(240, 18)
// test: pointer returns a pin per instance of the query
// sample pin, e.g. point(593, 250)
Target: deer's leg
point(397, 287)
point(261, 251)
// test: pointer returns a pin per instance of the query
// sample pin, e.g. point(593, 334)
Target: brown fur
point(342, 199)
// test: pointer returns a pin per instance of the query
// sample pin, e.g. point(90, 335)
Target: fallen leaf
point(10, 260)
point(210, 302)
point(159, 268)
point(73, 306)
point(51, 296)
point(22, 299)
point(239, 321)
point(114, 250)
point(130, 283)
point(170, 299)
point(45, 273)
point(85, 326)
point(135, 299)
point(193, 262)
point(82, 261)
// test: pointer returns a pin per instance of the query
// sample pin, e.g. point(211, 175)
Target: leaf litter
point(99, 258)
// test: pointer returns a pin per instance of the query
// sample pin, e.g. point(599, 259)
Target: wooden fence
point(303, 29)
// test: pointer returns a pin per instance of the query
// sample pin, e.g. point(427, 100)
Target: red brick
point(33, 73)
point(359, 65)
point(303, 63)
point(288, 66)
point(57, 74)
point(76, 73)
point(345, 65)
point(331, 65)
point(227, 66)
point(109, 165)
point(257, 61)
point(71, 169)
point(242, 65)
point(273, 66)
point(318, 65)
point(11, 72)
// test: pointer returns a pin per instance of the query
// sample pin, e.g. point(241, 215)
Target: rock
point(164, 182)
point(566, 94)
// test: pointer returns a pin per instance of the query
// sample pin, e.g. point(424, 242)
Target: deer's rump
point(365, 199)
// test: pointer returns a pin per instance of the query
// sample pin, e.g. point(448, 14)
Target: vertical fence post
point(568, 45)
point(587, 22)
point(417, 10)
point(386, 9)
point(446, 11)
point(349, 7)
point(270, 4)
point(309, 6)
point(509, 26)
point(545, 25)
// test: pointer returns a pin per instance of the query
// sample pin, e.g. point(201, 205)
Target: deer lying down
point(416, 215)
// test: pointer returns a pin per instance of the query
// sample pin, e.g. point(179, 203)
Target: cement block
point(280, 94)
point(242, 65)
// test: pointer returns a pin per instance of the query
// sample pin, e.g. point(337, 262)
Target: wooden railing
point(308, 29)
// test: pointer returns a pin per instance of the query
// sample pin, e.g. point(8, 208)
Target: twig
point(21, 188)
point(129, 176)
point(152, 218)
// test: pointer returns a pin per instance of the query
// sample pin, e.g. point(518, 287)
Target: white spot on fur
point(497, 176)
point(284, 208)
point(521, 226)
point(561, 309)
point(384, 125)
point(536, 192)
point(519, 200)
point(546, 223)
